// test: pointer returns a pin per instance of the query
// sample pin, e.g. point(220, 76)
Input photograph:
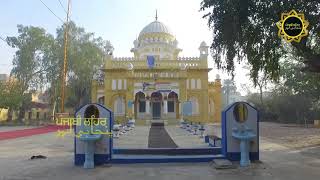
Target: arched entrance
point(140, 105)
point(173, 104)
point(156, 103)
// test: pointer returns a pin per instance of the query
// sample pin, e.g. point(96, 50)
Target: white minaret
point(108, 48)
point(203, 50)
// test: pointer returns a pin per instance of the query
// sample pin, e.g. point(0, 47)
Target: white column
point(147, 106)
point(165, 106)
point(133, 113)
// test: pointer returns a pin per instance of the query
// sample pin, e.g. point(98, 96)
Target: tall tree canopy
point(38, 62)
point(30, 63)
point(295, 82)
point(85, 57)
point(246, 30)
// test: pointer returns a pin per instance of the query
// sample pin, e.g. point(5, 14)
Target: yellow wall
point(4, 114)
point(215, 95)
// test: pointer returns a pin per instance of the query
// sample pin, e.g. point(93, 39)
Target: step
point(155, 121)
point(161, 124)
point(126, 159)
point(169, 151)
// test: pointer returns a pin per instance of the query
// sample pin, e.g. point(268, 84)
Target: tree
point(262, 81)
point(246, 30)
point(295, 98)
point(30, 62)
point(10, 96)
point(299, 83)
point(302, 86)
point(39, 58)
point(85, 57)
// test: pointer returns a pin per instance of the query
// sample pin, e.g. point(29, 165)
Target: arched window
point(119, 84)
point(114, 84)
point(172, 99)
point(187, 83)
point(193, 84)
point(198, 83)
point(119, 106)
point(195, 105)
point(141, 99)
point(124, 84)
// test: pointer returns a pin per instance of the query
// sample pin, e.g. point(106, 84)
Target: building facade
point(155, 82)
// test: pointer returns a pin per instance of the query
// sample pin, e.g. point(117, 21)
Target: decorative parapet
point(188, 59)
point(215, 83)
point(123, 59)
point(214, 86)
point(211, 83)
point(134, 63)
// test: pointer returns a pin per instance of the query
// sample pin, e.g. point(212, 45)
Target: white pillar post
point(147, 106)
point(133, 113)
point(165, 106)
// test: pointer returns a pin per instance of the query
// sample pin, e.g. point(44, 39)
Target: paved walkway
point(27, 132)
point(184, 139)
point(138, 138)
point(159, 137)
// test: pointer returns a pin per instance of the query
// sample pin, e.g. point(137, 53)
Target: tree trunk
point(80, 102)
point(261, 98)
point(21, 114)
point(9, 115)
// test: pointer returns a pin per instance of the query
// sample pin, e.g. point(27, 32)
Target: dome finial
point(156, 14)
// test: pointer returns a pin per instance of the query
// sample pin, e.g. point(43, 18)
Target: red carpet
point(29, 132)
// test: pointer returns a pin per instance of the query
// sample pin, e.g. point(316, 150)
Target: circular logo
point(292, 26)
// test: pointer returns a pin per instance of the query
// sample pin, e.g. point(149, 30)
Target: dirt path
point(289, 135)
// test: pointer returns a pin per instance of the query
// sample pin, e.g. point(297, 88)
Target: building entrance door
point(156, 110)
point(156, 99)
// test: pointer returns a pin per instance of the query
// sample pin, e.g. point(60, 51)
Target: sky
point(119, 21)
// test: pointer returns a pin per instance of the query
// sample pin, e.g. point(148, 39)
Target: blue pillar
point(244, 150)
point(89, 155)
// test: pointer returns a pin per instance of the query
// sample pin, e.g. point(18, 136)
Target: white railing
point(181, 62)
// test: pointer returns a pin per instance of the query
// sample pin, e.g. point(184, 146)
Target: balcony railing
point(180, 63)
